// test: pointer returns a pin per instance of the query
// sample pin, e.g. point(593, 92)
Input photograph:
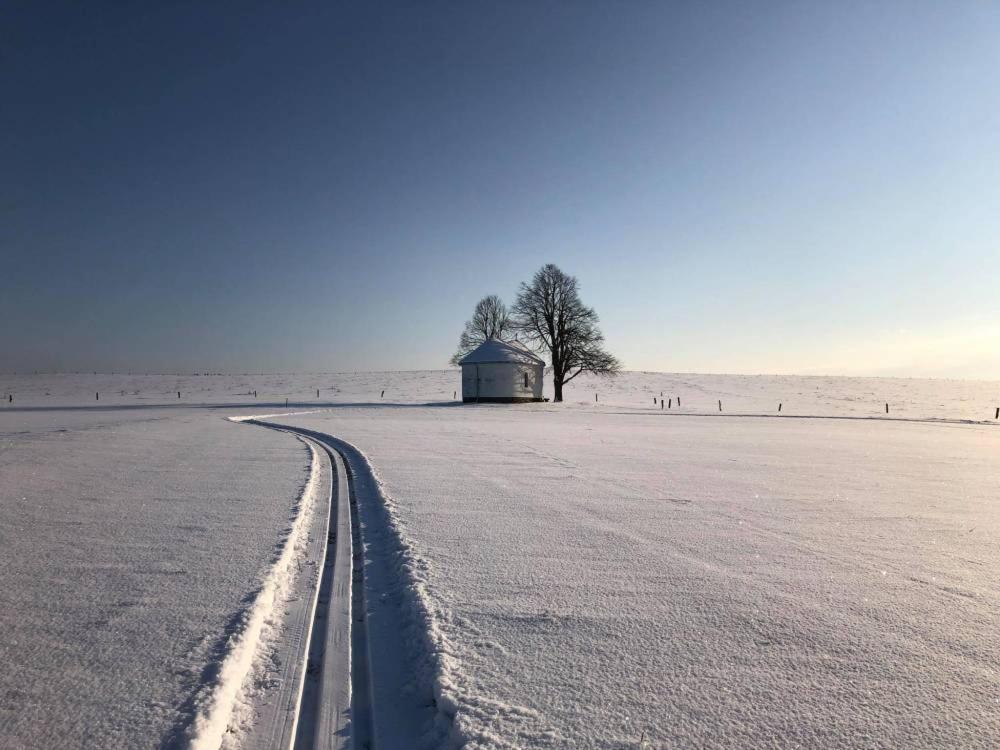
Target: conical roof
point(494, 350)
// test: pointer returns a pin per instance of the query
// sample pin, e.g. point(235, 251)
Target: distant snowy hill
point(740, 394)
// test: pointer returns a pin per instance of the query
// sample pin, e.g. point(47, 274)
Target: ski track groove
point(334, 713)
point(327, 715)
point(402, 688)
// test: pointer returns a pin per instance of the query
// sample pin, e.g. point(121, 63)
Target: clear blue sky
point(739, 187)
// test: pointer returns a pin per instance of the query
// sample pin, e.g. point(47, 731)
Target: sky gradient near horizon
point(769, 187)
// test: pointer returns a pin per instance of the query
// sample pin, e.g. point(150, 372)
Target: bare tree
point(489, 321)
point(550, 315)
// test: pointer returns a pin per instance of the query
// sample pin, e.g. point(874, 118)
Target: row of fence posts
point(97, 395)
point(668, 401)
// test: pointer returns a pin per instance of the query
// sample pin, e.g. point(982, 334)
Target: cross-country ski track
point(302, 673)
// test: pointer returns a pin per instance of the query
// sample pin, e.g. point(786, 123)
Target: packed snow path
point(394, 702)
point(326, 718)
point(319, 699)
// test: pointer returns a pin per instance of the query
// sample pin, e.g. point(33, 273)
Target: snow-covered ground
point(598, 578)
point(594, 573)
point(132, 547)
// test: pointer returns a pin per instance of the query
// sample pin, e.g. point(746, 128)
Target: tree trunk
point(557, 386)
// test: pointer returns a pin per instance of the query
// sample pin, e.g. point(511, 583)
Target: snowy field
point(699, 394)
point(705, 582)
point(592, 573)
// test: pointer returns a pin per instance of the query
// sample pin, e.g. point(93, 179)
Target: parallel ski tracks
point(330, 706)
